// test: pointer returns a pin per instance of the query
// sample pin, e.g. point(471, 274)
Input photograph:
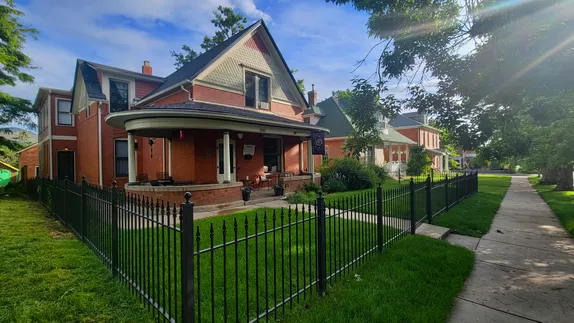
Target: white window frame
point(258, 74)
point(58, 113)
point(115, 173)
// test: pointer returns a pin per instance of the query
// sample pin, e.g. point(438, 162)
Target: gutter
point(142, 101)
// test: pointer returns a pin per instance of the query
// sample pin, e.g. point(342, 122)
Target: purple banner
point(318, 140)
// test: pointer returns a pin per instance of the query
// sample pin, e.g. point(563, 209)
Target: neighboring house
point(231, 114)
point(28, 162)
point(8, 173)
point(415, 126)
point(392, 152)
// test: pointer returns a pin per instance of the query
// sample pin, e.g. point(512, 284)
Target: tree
point(13, 61)
point(366, 108)
point(493, 60)
point(300, 83)
point(228, 23)
point(419, 161)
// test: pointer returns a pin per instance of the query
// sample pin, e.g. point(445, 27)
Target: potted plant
point(246, 192)
point(280, 187)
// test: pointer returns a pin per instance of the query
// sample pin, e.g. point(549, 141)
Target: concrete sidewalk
point(524, 269)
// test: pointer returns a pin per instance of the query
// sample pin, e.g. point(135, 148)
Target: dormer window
point(256, 91)
point(119, 95)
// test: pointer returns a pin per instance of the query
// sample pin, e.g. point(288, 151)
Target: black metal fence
point(247, 268)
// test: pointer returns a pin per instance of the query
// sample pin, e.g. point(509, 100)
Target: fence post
point(115, 246)
point(413, 209)
point(321, 246)
point(466, 176)
point(429, 202)
point(476, 182)
point(64, 215)
point(380, 218)
point(446, 185)
point(187, 260)
point(83, 209)
point(457, 189)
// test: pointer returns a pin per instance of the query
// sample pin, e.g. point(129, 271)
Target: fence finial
point(319, 194)
point(114, 183)
point(187, 196)
point(83, 178)
point(379, 184)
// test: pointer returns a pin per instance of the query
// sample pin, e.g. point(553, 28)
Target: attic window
point(119, 95)
point(256, 91)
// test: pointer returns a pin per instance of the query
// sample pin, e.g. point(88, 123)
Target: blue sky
point(323, 41)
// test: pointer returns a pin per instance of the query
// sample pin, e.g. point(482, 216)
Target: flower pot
point(279, 190)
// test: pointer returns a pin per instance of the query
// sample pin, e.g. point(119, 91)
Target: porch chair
point(261, 180)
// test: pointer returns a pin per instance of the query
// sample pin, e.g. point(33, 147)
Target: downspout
point(101, 177)
point(189, 93)
point(50, 133)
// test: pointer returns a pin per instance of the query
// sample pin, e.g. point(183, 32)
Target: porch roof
point(436, 151)
point(196, 115)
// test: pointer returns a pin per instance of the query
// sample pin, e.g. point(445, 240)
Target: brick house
point(28, 162)
point(231, 115)
point(396, 135)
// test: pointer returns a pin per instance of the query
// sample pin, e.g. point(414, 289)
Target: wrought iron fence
point(246, 268)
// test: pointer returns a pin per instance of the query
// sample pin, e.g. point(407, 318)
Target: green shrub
point(302, 197)
point(352, 172)
point(311, 187)
point(419, 162)
point(382, 172)
point(333, 185)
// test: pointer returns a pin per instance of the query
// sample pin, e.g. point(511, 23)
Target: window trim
point(281, 151)
point(58, 114)
point(258, 74)
point(115, 158)
point(114, 79)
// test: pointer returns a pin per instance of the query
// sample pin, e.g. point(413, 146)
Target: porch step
point(218, 207)
point(433, 231)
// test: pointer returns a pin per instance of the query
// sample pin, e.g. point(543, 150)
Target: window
point(64, 112)
point(37, 171)
point(256, 91)
point(119, 95)
point(121, 155)
point(272, 154)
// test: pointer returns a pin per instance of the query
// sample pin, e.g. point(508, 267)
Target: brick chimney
point(146, 68)
point(312, 95)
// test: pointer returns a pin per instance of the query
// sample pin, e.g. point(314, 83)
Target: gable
point(252, 54)
point(334, 119)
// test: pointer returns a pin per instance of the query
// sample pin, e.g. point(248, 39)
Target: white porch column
point(226, 159)
point(441, 160)
point(169, 157)
point(131, 158)
point(399, 154)
point(301, 157)
point(407, 154)
point(310, 160)
point(446, 166)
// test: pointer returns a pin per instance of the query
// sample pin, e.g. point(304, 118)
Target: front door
point(66, 165)
point(232, 160)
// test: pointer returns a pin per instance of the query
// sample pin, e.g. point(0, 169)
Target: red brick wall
point(176, 97)
point(248, 167)
point(412, 134)
point(291, 154)
point(143, 88)
point(208, 94)
point(298, 184)
point(30, 159)
point(45, 166)
point(287, 111)
point(87, 160)
point(207, 197)
point(182, 153)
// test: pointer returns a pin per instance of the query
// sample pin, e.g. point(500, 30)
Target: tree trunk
point(565, 179)
point(549, 176)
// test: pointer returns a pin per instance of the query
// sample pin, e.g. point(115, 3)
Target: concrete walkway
point(524, 269)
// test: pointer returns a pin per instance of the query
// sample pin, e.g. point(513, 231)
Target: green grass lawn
point(473, 216)
point(561, 202)
point(415, 281)
point(47, 275)
point(244, 278)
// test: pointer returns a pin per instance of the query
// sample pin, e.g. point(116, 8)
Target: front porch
point(214, 156)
